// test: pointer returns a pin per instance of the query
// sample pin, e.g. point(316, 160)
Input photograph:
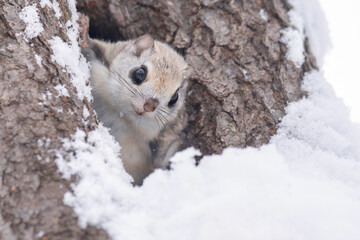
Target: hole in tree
point(107, 31)
point(101, 26)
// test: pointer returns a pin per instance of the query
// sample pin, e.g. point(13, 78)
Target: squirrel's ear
point(143, 45)
point(98, 50)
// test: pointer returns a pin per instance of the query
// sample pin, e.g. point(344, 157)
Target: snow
point(70, 58)
point(40, 234)
point(52, 4)
point(30, 16)
point(62, 90)
point(304, 184)
point(86, 113)
point(316, 27)
point(38, 59)
point(48, 95)
point(294, 37)
point(341, 63)
point(95, 160)
point(299, 186)
point(263, 15)
point(295, 43)
point(326, 124)
point(241, 194)
point(245, 72)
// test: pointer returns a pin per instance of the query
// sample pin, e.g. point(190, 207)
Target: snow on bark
point(316, 27)
point(62, 91)
point(103, 182)
point(38, 59)
point(33, 119)
point(30, 16)
point(69, 57)
point(294, 38)
point(52, 4)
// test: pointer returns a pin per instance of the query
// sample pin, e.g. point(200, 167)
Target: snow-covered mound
point(305, 184)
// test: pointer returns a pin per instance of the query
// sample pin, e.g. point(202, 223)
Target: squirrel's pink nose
point(151, 104)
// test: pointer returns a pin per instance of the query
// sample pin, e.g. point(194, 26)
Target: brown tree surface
point(31, 190)
point(239, 88)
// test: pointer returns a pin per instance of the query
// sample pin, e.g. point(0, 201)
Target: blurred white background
point(342, 64)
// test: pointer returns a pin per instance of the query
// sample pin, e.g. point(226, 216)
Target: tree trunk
point(239, 88)
point(32, 120)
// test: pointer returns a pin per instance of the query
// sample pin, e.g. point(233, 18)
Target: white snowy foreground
point(305, 184)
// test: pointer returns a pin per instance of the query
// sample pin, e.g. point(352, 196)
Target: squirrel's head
point(143, 79)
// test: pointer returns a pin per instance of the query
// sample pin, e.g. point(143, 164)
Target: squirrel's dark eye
point(139, 75)
point(173, 99)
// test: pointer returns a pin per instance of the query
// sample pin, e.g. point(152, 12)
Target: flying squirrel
point(139, 88)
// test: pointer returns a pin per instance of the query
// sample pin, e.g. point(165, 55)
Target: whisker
point(126, 84)
point(157, 121)
point(168, 116)
point(129, 94)
point(164, 111)
point(162, 121)
point(165, 122)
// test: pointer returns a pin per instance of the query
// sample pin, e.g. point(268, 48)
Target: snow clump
point(30, 15)
point(68, 55)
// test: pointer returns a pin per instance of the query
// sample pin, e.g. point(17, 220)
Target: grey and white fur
point(139, 88)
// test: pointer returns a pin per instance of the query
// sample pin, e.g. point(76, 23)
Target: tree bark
point(31, 125)
point(239, 88)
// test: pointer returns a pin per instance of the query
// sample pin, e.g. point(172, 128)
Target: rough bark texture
point(240, 86)
point(242, 80)
point(31, 190)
